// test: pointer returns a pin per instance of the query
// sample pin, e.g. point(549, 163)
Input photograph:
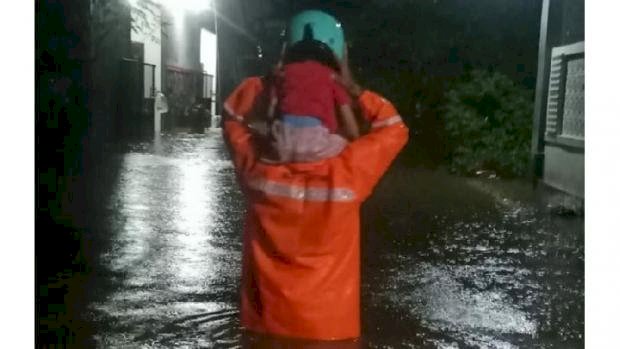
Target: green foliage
point(488, 124)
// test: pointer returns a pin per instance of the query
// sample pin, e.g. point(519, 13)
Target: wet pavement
point(470, 263)
point(448, 262)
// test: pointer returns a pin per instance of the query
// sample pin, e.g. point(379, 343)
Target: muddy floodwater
point(448, 262)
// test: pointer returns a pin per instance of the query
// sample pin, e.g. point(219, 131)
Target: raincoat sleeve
point(237, 108)
point(369, 157)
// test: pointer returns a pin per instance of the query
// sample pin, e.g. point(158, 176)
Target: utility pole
point(218, 93)
point(540, 102)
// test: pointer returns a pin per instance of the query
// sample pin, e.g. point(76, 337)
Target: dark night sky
point(436, 37)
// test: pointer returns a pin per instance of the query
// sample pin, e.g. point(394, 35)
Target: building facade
point(558, 142)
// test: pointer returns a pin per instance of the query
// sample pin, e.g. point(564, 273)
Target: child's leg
point(303, 140)
point(317, 143)
point(348, 122)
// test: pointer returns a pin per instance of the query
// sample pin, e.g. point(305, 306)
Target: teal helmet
point(319, 26)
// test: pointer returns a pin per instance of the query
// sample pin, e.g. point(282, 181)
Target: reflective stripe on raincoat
point(301, 248)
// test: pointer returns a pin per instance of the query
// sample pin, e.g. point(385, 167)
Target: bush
point(488, 123)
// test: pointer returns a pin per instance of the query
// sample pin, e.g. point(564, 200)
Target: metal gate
point(187, 90)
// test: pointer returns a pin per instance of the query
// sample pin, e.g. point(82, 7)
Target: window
point(565, 101)
point(573, 117)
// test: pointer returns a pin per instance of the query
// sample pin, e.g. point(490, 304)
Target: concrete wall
point(150, 35)
point(181, 39)
point(79, 46)
point(564, 165)
point(235, 43)
point(559, 165)
point(78, 85)
point(110, 40)
point(562, 23)
point(564, 169)
point(208, 51)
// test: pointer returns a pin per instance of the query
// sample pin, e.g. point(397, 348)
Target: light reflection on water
point(503, 274)
point(163, 252)
point(444, 267)
point(436, 296)
point(133, 206)
point(192, 262)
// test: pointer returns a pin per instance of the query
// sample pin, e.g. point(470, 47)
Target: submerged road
point(448, 262)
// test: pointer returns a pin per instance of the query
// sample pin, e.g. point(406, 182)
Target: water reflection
point(165, 262)
point(192, 261)
point(133, 206)
point(501, 274)
point(447, 263)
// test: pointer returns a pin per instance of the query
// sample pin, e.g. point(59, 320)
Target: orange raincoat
point(301, 248)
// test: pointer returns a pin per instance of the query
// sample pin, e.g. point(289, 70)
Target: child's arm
point(348, 122)
point(237, 108)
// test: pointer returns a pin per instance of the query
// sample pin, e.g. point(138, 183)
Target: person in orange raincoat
point(301, 240)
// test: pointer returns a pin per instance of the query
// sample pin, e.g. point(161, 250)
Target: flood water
point(448, 262)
